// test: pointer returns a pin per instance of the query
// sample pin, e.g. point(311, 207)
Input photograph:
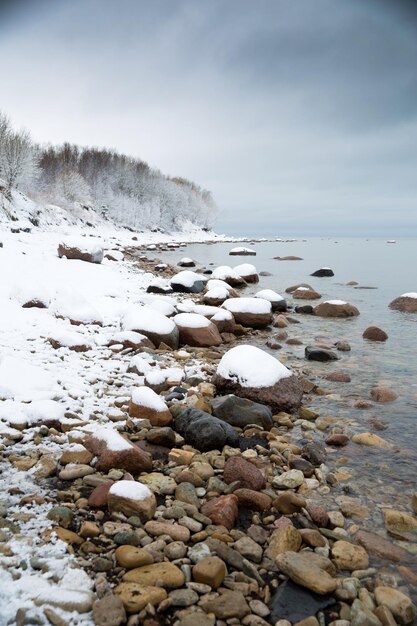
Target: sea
point(381, 477)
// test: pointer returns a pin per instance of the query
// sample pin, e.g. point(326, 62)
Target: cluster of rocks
point(218, 518)
point(213, 503)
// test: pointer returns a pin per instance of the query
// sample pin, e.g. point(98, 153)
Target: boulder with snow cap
point(186, 262)
point(322, 272)
point(81, 251)
point(131, 498)
point(305, 293)
point(204, 431)
point(116, 452)
point(71, 340)
point(153, 324)
point(229, 276)
point(248, 272)
point(217, 295)
point(335, 308)
point(278, 303)
point(197, 331)
point(295, 287)
point(146, 404)
point(224, 321)
point(131, 339)
point(242, 251)
point(249, 372)
point(216, 282)
point(188, 282)
point(159, 285)
point(406, 303)
point(252, 312)
point(71, 305)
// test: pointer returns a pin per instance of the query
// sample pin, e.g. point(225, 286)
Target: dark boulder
point(241, 412)
point(204, 431)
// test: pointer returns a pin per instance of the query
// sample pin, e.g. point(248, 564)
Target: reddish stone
point(238, 468)
point(338, 377)
point(98, 497)
point(222, 511)
point(338, 439)
point(319, 516)
point(131, 459)
point(253, 500)
point(373, 333)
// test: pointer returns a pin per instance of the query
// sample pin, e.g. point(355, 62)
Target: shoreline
point(252, 569)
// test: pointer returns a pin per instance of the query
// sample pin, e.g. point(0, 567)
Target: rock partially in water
point(314, 353)
point(373, 333)
point(323, 272)
point(406, 303)
point(295, 603)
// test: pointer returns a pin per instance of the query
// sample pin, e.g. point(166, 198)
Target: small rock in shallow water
point(373, 333)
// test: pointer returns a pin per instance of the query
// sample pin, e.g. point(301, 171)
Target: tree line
point(122, 188)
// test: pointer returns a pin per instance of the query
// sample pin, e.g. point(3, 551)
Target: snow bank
point(73, 306)
point(336, 302)
point(251, 367)
point(20, 380)
point(411, 294)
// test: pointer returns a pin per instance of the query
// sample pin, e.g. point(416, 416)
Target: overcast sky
point(299, 115)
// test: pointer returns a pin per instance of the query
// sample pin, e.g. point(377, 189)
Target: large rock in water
point(278, 303)
point(304, 293)
point(188, 282)
point(335, 308)
point(204, 431)
point(241, 412)
point(248, 272)
point(252, 312)
point(153, 324)
point(197, 331)
point(116, 452)
point(406, 303)
point(249, 372)
point(81, 251)
point(323, 271)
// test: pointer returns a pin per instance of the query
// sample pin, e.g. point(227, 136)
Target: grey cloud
point(294, 113)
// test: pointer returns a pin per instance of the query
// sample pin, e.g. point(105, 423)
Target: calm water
point(382, 477)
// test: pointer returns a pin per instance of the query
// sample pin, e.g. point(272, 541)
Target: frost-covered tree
point(123, 188)
point(19, 160)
